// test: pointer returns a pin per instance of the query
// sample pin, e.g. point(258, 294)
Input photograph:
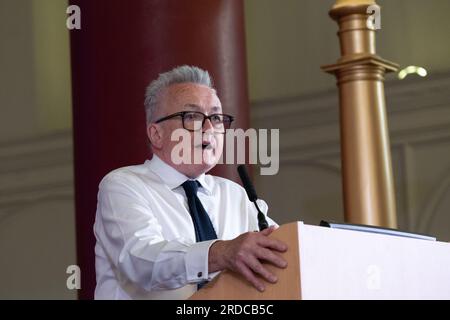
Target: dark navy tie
point(204, 229)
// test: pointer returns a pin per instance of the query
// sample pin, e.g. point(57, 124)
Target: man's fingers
point(273, 258)
point(258, 268)
point(268, 231)
point(272, 244)
point(248, 274)
point(246, 252)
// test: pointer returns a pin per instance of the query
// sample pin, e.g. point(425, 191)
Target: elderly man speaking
point(165, 227)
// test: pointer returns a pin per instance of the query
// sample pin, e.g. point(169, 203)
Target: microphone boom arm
point(251, 193)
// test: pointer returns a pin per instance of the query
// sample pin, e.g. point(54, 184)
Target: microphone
point(251, 193)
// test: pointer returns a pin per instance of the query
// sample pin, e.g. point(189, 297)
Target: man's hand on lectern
point(245, 255)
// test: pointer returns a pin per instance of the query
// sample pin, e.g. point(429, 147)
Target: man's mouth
point(207, 146)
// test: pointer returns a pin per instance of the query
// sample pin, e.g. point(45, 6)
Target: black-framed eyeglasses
point(194, 120)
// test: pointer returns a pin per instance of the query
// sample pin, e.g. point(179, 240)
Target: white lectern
point(327, 263)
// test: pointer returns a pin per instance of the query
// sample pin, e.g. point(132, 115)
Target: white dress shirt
point(146, 246)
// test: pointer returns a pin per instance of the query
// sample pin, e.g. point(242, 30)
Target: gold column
point(369, 196)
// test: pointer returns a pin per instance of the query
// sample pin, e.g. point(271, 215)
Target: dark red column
point(121, 47)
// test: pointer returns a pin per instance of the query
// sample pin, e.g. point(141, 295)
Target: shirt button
point(199, 274)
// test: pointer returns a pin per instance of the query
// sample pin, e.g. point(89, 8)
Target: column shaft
point(369, 195)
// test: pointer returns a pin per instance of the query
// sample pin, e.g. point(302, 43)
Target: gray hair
point(183, 74)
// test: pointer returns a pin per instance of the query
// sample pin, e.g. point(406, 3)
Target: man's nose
point(207, 125)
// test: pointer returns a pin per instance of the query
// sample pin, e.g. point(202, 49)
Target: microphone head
point(248, 186)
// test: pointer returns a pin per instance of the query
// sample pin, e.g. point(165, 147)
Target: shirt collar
point(173, 178)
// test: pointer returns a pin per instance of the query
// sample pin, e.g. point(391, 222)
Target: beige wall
point(37, 226)
point(35, 95)
point(287, 42)
point(52, 66)
point(17, 90)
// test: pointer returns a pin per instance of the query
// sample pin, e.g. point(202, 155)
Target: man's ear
point(154, 134)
